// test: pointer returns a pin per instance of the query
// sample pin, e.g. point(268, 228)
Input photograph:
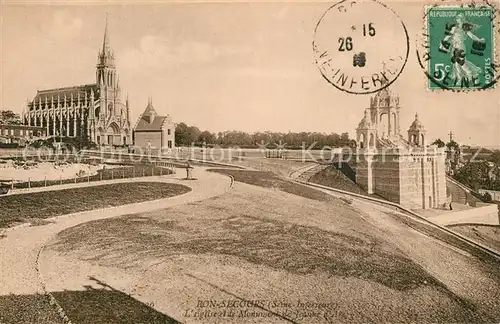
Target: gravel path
point(19, 248)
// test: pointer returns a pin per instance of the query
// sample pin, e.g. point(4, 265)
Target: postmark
point(357, 54)
point(457, 48)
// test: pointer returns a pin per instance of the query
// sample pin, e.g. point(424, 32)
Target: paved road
point(20, 247)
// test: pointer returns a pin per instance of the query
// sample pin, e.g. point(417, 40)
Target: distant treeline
point(187, 135)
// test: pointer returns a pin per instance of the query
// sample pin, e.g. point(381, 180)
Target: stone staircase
point(458, 194)
point(461, 194)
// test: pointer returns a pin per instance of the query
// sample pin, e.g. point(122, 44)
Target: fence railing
point(132, 171)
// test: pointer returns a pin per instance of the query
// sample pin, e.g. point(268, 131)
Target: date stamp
point(459, 47)
point(360, 53)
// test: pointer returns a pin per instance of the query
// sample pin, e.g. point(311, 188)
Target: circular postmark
point(360, 46)
point(456, 49)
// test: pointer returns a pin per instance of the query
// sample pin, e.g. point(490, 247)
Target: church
point(403, 170)
point(93, 111)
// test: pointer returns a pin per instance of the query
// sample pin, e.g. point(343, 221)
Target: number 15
point(371, 29)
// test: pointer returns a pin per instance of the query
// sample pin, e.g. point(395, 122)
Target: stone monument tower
point(404, 171)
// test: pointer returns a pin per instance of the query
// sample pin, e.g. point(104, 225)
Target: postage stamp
point(357, 53)
point(461, 47)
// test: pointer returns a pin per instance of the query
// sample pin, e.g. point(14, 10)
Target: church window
point(110, 108)
point(168, 131)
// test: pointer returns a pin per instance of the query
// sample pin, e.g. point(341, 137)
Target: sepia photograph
point(176, 161)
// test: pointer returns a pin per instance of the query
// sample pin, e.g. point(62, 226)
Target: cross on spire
point(451, 135)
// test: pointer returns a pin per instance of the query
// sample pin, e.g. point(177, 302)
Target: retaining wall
point(482, 214)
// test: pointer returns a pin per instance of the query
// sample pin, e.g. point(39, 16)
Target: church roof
point(156, 125)
point(48, 94)
point(149, 120)
point(365, 122)
point(149, 109)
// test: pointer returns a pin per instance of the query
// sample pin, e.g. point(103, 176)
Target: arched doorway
point(113, 134)
point(394, 124)
point(372, 140)
point(384, 125)
point(361, 140)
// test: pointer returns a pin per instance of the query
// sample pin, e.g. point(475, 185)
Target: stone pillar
point(92, 132)
point(60, 123)
point(34, 113)
point(423, 183)
point(389, 117)
point(369, 173)
point(435, 196)
point(74, 122)
point(82, 129)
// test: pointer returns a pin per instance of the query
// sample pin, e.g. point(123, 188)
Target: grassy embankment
point(33, 207)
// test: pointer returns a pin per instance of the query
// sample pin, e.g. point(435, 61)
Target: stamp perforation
point(495, 22)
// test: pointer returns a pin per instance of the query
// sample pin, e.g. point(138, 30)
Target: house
point(154, 133)
point(20, 134)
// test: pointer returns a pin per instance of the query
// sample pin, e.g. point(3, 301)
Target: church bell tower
point(106, 77)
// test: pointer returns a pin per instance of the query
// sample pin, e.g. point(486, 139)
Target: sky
point(221, 66)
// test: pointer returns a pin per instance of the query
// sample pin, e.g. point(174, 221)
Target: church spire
point(106, 74)
point(128, 109)
point(105, 42)
point(106, 55)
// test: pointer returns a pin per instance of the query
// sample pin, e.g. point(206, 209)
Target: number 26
point(345, 44)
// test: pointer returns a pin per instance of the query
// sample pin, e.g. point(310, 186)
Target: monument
point(405, 171)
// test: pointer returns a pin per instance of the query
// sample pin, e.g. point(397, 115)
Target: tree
point(9, 117)
point(439, 143)
point(495, 157)
point(181, 134)
point(475, 175)
point(487, 197)
point(186, 135)
point(454, 145)
point(207, 137)
point(192, 135)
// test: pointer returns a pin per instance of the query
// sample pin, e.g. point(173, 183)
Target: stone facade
point(20, 133)
point(94, 111)
point(154, 133)
point(407, 172)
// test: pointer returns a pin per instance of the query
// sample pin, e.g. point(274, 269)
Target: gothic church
point(93, 111)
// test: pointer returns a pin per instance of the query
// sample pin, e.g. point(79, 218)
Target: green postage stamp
point(461, 49)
